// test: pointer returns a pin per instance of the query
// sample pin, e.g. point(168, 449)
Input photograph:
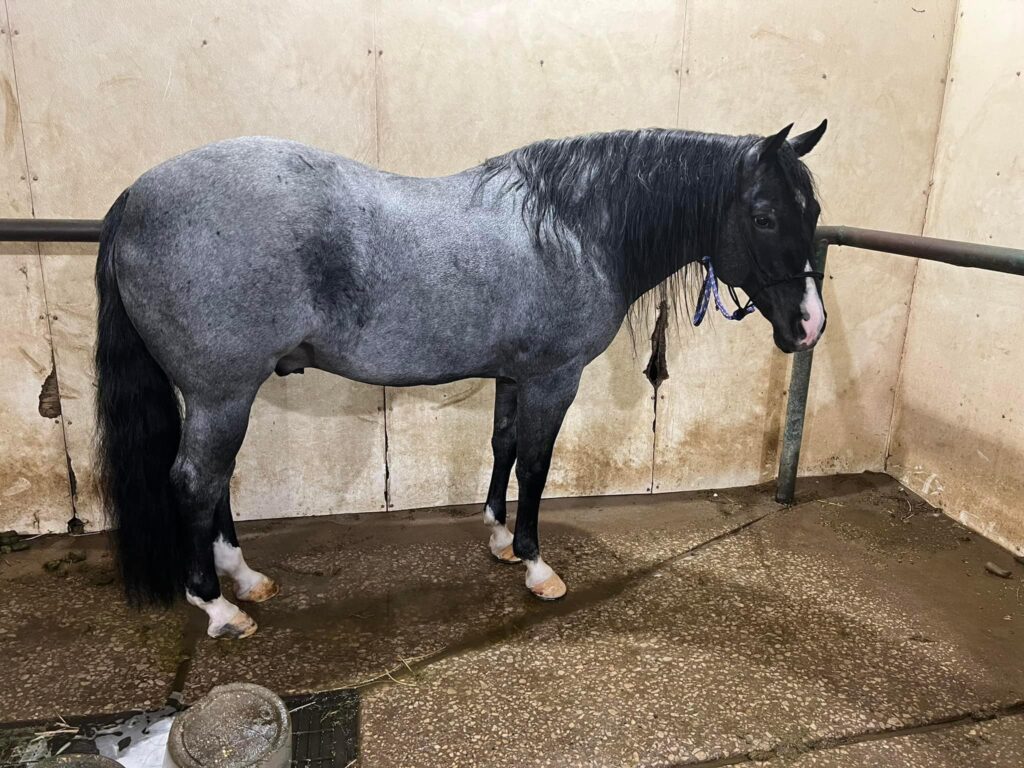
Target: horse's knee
point(532, 472)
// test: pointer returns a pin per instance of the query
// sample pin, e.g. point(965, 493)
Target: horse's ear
point(769, 145)
point(805, 142)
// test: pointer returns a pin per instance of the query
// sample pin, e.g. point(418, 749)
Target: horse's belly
point(395, 360)
point(417, 353)
point(396, 372)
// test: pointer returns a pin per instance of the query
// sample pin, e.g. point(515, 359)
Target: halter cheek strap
point(710, 288)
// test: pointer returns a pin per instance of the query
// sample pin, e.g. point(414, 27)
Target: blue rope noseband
point(710, 288)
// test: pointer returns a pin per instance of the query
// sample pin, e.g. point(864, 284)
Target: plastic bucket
point(235, 726)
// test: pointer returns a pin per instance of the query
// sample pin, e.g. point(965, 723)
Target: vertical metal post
point(799, 380)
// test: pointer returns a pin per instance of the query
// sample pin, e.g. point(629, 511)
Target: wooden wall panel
point(958, 430)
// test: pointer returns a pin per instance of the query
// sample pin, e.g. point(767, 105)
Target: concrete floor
point(857, 628)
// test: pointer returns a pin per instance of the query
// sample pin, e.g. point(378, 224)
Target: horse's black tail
point(139, 426)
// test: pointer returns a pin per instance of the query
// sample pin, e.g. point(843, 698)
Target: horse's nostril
point(805, 314)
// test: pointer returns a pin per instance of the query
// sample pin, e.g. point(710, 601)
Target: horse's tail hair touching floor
point(139, 427)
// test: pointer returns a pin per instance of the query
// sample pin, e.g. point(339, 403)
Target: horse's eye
point(764, 222)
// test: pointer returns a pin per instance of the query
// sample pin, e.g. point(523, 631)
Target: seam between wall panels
point(924, 225)
point(69, 470)
point(376, 54)
point(682, 69)
point(17, 99)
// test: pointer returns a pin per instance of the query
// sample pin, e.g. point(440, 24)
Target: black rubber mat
point(325, 729)
point(325, 732)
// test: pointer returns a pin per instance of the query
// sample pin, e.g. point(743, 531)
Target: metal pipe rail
point(990, 257)
point(50, 230)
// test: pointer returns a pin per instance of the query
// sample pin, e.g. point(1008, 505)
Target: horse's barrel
point(239, 725)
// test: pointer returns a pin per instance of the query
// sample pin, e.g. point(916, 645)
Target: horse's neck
point(637, 282)
point(666, 238)
point(646, 203)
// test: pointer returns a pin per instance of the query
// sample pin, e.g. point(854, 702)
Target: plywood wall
point(420, 87)
point(35, 492)
point(958, 431)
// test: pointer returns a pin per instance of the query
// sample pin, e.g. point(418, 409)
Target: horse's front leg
point(503, 444)
point(543, 402)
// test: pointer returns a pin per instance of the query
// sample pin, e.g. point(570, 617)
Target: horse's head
point(768, 247)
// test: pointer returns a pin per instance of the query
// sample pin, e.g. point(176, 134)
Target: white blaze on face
point(812, 312)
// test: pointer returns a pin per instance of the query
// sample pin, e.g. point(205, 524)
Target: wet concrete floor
point(857, 628)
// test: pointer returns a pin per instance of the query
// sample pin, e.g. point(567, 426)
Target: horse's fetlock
point(525, 550)
point(494, 512)
point(205, 588)
point(201, 581)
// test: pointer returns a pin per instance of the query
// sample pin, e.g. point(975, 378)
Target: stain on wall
point(49, 396)
point(958, 428)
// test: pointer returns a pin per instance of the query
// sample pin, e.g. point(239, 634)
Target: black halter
point(710, 288)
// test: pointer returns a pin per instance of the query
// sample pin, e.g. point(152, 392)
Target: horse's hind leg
point(251, 586)
point(503, 444)
point(543, 402)
point(211, 436)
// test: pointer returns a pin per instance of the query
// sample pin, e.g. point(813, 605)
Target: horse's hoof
point(260, 592)
point(506, 555)
point(240, 627)
point(552, 588)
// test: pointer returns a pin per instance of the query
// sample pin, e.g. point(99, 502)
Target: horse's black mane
point(658, 197)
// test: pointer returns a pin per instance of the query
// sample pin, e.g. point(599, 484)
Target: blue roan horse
point(255, 256)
